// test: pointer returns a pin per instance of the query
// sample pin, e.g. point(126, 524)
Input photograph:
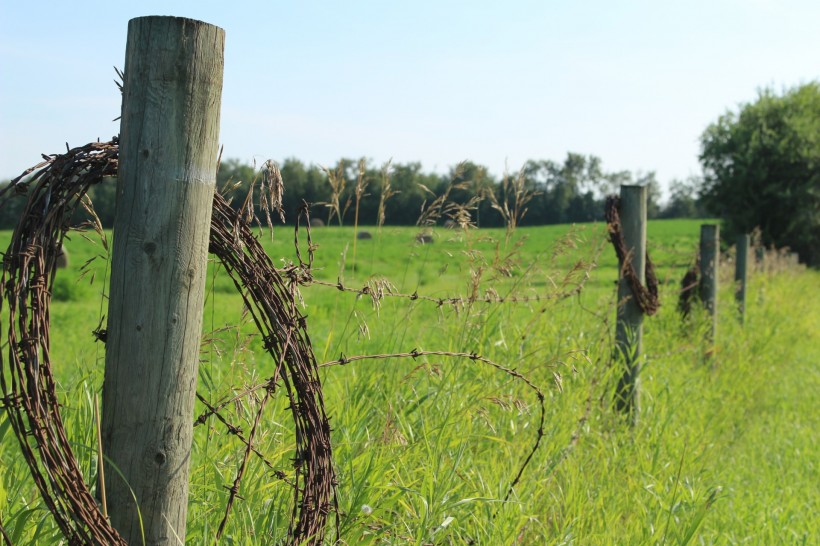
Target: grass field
point(724, 451)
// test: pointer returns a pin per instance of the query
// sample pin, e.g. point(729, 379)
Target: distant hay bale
point(364, 235)
point(317, 222)
point(424, 238)
point(62, 258)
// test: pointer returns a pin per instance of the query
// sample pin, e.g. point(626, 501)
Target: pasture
point(426, 447)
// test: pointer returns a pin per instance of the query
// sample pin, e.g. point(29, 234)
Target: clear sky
point(500, 82)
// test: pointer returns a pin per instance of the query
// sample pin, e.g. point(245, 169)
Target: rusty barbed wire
point(646, 297)
point(474, 357)
point(456, 301)
point(689, 288)
point(377, 289)
point(268, 296)
point(234, 489)
point(237, 430)
point(56, 188)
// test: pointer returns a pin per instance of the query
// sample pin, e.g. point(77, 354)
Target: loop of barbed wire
point(272, 304)
point(56, 188)
point(645, 296)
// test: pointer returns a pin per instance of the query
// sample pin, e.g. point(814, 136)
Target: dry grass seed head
point(272, 180)
point(377, 288)
point(386, 192)
point(337, 181)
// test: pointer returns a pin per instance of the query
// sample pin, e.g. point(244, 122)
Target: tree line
point(761, 169)
point(572, 190)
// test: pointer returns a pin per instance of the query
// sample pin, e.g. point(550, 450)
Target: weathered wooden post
point(629, 324)
point(741, 273)
point(168, 152)
point(709, 248)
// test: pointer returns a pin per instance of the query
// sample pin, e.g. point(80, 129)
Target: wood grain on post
point(168, 152)
point(709, 261)
point(629, 325)
point(741, 273)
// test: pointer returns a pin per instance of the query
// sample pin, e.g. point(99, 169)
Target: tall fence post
point(168, 151)
point(741, 273)
point(629, 324)
point(709, 256)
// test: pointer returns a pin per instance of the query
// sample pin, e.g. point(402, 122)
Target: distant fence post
point(709, 256)
point(629, 324)
point(741, 273)
point(760, 258)
point(168, 151)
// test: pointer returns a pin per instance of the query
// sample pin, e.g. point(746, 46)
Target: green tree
point(762, 169)
point(303, 183)
point(405, 206)
point(104, 199)
point(477, 182)
point(684, 201)
point(569, 191)
point(234, 179)
point(11, 206)
point(653, 192)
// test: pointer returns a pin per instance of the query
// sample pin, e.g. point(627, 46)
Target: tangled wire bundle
point(272, 304)
point(645, 296)
point(29, 393)
point(57, 188)
point(688, 288)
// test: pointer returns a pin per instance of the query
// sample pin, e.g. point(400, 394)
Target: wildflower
point(366, 509)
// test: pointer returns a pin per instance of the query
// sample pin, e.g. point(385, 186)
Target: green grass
point(723, 453)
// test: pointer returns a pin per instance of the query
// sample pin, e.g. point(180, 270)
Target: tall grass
point(724, 451)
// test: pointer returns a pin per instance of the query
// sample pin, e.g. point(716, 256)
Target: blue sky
point(498, 83)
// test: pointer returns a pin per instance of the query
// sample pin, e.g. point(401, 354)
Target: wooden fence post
point(709, 260)
point(741, 273)
point(760, 258)
point(629, 324)
point(168, 151)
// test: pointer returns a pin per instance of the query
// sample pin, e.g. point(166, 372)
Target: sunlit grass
point(723, 453)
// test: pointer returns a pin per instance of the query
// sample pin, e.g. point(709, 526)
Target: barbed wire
point(377, 293)
point(55, 188)
point(646, 297)
point(416, 353)
point(271, 301)
point(689, 288)
point(237, 430)
point(377, 289)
